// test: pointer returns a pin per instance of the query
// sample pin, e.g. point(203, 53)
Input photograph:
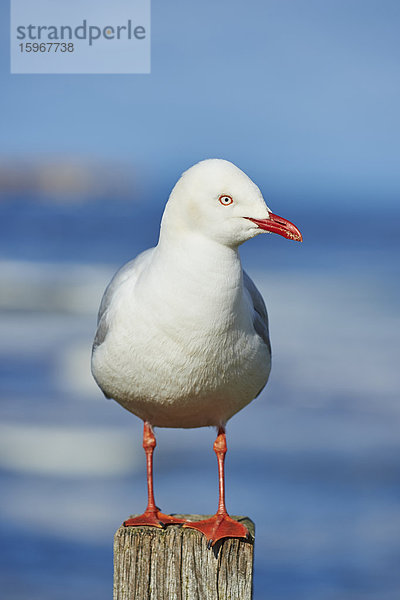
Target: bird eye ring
point(225, 200)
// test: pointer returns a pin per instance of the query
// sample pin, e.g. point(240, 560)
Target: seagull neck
point(194, 253)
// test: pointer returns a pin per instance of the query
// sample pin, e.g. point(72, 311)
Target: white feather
point(178, 344)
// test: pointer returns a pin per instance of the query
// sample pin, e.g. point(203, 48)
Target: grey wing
point(260, 315)
point(129, 270)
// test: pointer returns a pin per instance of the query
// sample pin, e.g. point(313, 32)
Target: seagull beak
point(279, 225)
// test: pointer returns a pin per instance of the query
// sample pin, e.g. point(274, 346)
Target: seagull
point(182, 337)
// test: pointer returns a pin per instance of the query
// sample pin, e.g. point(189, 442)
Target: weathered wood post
point(175, 564)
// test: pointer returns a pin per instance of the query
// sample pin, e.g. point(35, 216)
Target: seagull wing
point(260, 315)
point(131, 269)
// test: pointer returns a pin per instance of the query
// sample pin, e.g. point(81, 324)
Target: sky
point(302, 94)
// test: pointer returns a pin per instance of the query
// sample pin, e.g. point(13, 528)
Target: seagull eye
point(225, 200)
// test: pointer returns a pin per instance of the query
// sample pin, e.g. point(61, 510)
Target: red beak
point(279, 225)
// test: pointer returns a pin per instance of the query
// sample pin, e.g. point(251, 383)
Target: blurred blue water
point(304, 97)
point(314, 460)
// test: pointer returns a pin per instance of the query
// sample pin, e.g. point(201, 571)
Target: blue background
point(303, 96)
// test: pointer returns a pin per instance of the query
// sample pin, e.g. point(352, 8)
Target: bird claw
point(218, 527)
point(153, 519)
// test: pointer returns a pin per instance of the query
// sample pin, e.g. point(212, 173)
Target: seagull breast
point(184, 346)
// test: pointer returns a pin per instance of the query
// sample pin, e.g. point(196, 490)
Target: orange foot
point(218, 527)
point(153, 519)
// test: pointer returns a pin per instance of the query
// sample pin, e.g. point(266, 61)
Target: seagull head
point(215, 199)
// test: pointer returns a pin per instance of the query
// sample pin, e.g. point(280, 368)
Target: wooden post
point(175, 564)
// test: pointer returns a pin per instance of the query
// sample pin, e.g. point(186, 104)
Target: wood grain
point(175, 564)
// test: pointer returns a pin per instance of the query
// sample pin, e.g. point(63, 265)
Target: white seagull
point(182, 337)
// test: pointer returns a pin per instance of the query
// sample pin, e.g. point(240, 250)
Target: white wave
point(333, 334)
point(63, 451)
point(63, 287)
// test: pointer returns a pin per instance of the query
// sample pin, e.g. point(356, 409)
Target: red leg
point(221, 525)
point(152, 515)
